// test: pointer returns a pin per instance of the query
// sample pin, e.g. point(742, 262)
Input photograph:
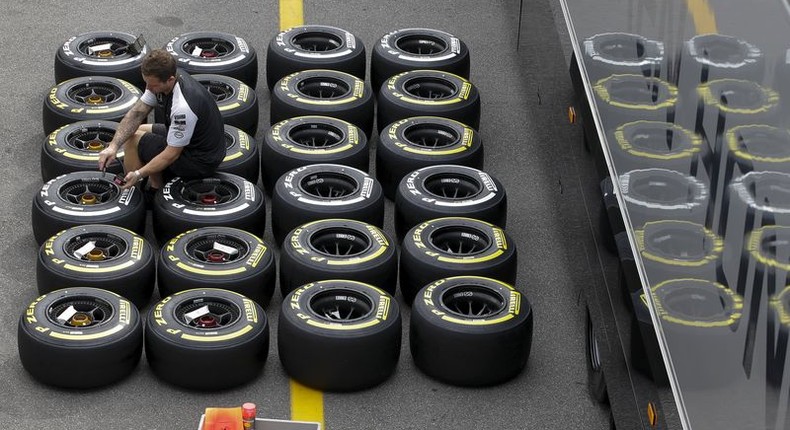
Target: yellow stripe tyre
point(206, 339)
point(75, 147)
point(417, 48)
point(100, 53)
point(617, 52)
point(237, 102)
point(470, 331)
point(98, 256)
point(216, 53)
point(428, 93)
point(413, 143)
point(82, 198)
point(339, 335)
point(335, 249)
point(313, 139)
point(454, 246)
point(241, 154)
point(323, 92)
point(217, 257)
point(308, 47)
point(86, 98)
point(80, 338)
point(625, 97)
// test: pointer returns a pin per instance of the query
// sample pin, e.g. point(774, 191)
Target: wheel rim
point(88, 192)
point(329, 185)
point(472, 301)
point(339, 242)
point(94, 47)
point(341, 305)
point(217, 249)
point(317, 42)
point(430, 88)
point(219, 90)
point(421, 44)
point(316, 135)
point(452, 186)
point(91, 139)
point(96, 247)
point(94, 93)
point(79, 311)
point(323, 88)
point(209, 193)
point(432, 136)
point(207, 313)
point(208, 48)
point(460, 240)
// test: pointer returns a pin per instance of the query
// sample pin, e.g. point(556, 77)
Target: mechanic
point(191, 142)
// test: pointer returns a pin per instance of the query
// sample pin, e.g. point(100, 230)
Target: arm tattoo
point(130, 122)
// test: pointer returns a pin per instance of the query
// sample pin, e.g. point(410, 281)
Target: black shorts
point(185, 166)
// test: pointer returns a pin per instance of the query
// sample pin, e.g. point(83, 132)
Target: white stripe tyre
point(454, 246)
point(82, 198)
point(339, 335)
point(217, 257)
point(216, 53)
point(470, 331)
point(98, 256)
point(237, 102)
point(80, 338)
point(100, 53)
point(87, 98)
point(314, 47)
point(206, 339)
point(448, 190)
point(75, 147)
point(605, 54)
point(320, 191)
point(241, 155)
point(220, 200)
point(338, 249)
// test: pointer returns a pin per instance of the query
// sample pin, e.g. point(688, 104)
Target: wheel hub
point(88, 199)
point(209, 199)
point(95, 145)
point(96, 255)
point(94, 99)
point(207, 321)
point(80, 320)
point(216, 257)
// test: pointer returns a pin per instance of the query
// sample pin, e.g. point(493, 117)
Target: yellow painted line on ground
point(307, 404)
point(704, 19)
point(291, 14)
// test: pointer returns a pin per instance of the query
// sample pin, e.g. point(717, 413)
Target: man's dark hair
point(159, 63)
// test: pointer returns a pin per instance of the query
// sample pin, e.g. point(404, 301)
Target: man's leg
point(131, 158)
point(148, 141)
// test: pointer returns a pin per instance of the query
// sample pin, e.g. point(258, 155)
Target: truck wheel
point(216, 53)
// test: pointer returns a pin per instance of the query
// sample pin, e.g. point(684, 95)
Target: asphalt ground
point(524, 92)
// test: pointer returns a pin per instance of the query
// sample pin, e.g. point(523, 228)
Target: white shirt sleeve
point(182, 120)
point(148, 98)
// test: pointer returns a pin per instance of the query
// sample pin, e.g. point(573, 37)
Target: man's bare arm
point(130, 123)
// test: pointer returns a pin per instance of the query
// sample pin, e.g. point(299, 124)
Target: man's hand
point(131, 179)
point(106, 156)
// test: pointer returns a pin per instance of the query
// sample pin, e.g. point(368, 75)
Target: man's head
point(159, 71)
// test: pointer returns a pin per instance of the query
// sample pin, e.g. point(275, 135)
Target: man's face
point(157, 86)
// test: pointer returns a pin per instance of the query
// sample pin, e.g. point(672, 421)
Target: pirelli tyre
point(617, 52)
point(221, 200)
point(75, 147)
point(417, 48)
point(98, 256)
point(314, 47)
point(82, 198)
point(326, 93)
point(100, 53)
point(470, 331)
point(320, 191)
point(624, 98)
point(241, 155)
point(206, 339)
point(237, 102)
point(339, 335)
point(338, 249)
point(428, 93)
point(413, 143)
point(217, 257)
point(87, 98)
point(216, 53)
point(79, 338)
point(454, 246)
point(448, 190)
point(305, 140)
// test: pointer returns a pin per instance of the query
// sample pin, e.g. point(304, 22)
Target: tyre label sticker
point(225, 249)
point(197, 313)
point(88, 247)
point(216, 213)
point(67, 314)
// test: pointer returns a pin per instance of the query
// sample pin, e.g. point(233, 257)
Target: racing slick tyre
point(241, 155)
point(612, 53)
point(448, 190)
point(304, 140)
point(320, 191)
point(237, 102)
point(446, 247)
point(309, 47)
point(470, 331)
point(417, 48)
point(338, 249)
point(428, 93)
point(87, 98)
point(323, 92)
point(211, 52)
point(206, 339)
point(221, 200)
point(217, 257)
point(80, 338)
point(100, 53)
point(339, 335)
point(98, 256)
point(627, 98)
point(417, 142)
point(75, 148)
point(81, 198)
